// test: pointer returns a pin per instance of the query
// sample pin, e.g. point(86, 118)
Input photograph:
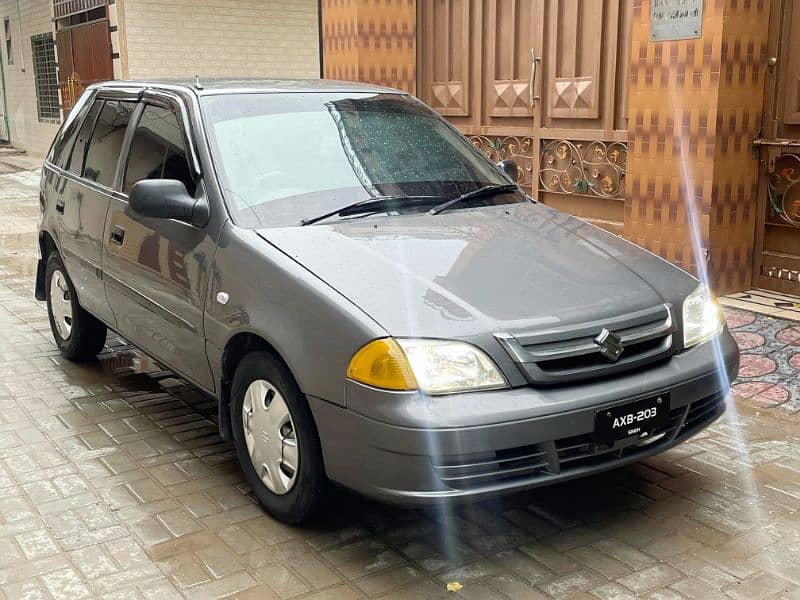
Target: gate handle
point(534, 60)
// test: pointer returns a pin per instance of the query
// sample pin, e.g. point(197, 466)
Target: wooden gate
point(84, 57)
point(776, 258)
point(537, 81)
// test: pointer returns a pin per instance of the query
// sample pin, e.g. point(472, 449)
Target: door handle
point(117, 235)
point(532, 82)
point(60, 205)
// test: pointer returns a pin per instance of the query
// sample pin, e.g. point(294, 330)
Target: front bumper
point(412, 464)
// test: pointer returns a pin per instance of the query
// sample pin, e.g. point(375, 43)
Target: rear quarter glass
point(65, 138)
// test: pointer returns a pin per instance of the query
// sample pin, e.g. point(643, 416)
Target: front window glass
point(289, 157)
point(106, 143)
point(157, 150)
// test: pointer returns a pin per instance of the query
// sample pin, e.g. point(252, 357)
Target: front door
point(156, 271)
point(776, 259)
point(536, 81)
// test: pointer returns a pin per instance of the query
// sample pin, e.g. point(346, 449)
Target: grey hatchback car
point(369, 300)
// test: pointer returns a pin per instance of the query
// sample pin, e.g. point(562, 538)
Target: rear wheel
point(77, 334)
point(276, 438)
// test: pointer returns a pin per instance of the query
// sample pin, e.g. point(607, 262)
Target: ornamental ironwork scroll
point(589, 168)
point(518, 149)
point(784, 189)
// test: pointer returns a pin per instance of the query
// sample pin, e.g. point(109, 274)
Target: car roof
point(208, 87)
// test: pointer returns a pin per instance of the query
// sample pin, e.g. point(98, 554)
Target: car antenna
point(197, 83)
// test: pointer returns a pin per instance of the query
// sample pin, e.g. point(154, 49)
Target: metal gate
point(776, 256)
point(537, 81)
point(84, 57)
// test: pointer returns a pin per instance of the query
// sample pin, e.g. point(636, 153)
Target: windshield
point(285, 158)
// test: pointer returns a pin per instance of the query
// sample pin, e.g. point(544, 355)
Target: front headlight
point(433, 366)
point(702, 317)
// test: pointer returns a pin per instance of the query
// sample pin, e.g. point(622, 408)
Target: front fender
point(310, 325)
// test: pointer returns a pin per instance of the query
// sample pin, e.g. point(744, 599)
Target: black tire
point(87, 335)
point(305, 496)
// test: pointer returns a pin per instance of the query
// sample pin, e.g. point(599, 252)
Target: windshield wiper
point(369, 205)
point(487, 190)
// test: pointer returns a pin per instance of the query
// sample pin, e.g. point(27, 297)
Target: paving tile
point(758, 587)
point(93, 561)
point(650, 578)
point(219, 560)
point(227, 586)
point(388, 580)
point(150, 531)
point(612, 591)
point(599, 561)
point(282, 580)
point(178, 522)
point(362, 558)
point(555, 561)
point(314, 571)
point(624, 553)
point(572, 583)
point(523, 566)
point(36, 544)
point(65, 584)
point(185, 570)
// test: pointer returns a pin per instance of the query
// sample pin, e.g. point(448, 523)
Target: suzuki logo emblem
point(610, 344)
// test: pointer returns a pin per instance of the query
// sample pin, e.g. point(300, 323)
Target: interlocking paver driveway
point(113, 483)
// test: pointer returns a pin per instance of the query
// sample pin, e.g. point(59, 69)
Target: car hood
point(462, 273)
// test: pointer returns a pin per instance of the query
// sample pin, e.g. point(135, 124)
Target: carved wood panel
point(575, 49)
point(448, 38)
point(792, 72)
point(510, 44)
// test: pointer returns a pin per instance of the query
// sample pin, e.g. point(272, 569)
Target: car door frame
point(171, 99)
point(84, 269)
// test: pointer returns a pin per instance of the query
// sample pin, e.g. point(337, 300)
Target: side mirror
point(167, 199)
point(510, 168)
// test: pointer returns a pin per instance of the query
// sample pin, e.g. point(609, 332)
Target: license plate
point(640, 418)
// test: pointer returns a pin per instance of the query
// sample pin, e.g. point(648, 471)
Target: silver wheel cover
point(270, 437)
point(60, 304)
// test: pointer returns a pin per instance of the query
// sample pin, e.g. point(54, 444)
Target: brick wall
point(25, 129)
point(218, 38)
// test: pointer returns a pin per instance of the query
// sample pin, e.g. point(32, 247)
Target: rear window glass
point(74, 164)
point(106, 143)
point(158, 150)
point(65, 139)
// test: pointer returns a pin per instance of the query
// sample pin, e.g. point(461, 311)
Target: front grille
point(546, 460)
point(569, 353)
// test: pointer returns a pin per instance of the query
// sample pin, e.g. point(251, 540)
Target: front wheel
point(276, 438)
point(77, 334)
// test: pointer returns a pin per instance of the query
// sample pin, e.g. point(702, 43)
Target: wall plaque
point(675, 19)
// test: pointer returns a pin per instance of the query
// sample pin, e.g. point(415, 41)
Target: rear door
point(82, 199)
point(157, 270)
